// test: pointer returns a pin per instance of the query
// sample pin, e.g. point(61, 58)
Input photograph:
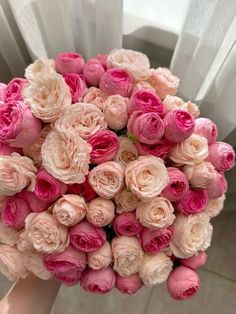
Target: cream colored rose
point(115, 112)
point(39, 66)
point(199, 175)
point(8, 235)
point(214, 207)
point(173, 102)
point(95, 96)
point(34, 263)
point(16, 173)
point(23, 244)
point(155, 268)
point(126, 201)
point(192, 108)
point(100, 258)
point(190, 234)
point(146, 177)
point(127, 254)
point(191, 151)
point(100, 212)
point(45, 233)
point(66, 156)
point(134, 62)
point(156, 213)
point(48, 96)
point(144, 85)
point(127, 151)
point(70, 209)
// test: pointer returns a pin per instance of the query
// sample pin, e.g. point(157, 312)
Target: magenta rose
point(217, 186)
point(18, 126)
point(194, 262)
point(206, 128)
point(69, 278)
point(35, 204)
point(161, 149)
point(69, 62)
point(14, 89)
point(145, 101)
point(102, 57)
point(93, 71)
point(6, 149)
point(87, 237)
point(77, 86)
point(105, 145)
point(126, 224)
point(154, 241)
point(2, 89)
point(183, 283)
point(84, 189)
point(98, 281)
point(116, 81)
point(222, 156)
point(148, 127)
point(178, 185)
point(194, 202)
point(130, 284)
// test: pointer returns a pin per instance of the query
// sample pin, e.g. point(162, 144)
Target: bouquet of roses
point(107, 179)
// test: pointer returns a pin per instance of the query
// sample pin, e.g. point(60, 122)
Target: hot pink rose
point(154, 241)
point(222, 156)
point(183, 283)
point(195, 201)
point(116, 81)
point(6, 149)
point(18, 126)
point(77, 86)
point(35, 204)
point(87, 237)
point(2, 89)
point(130, 284)
point(93, 71)
point(69, 278)
point(102, 57)
point(206, 128)
point(196, 261)
point(13, 91)
point(84, 189)
point(217, 186)
point(105, 145)
point(161, 149)
point(69, 62)
point(177, 186)
point(126, 224)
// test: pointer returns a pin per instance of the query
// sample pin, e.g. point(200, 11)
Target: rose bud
point(206, 128)
point(100, 258)
point(87, 237)
point(177, 186)
point(77, 86)
point(145, 101)
point(154, 241)
point(14, 89)
point(116, 81)
point(93, 71)
point(183, 283)
point(161, 149)
point(126, 224)
point(179, 125)
point(69, 278)
point(214, 207)
point(130, 284)
point(127, 152)
point(95, 96)
point(102, 57)
point(47, 187)
point(222, 156)
point(35, 204)
point(147, 128)
point(98, 281)
point(34, 264)
point(217, 186)
point(100, 212)
point(126, 201)
point(105, 145)
point(18, 126)
point(196, 261)
point(69, 62)
point(84, 189)
point(6, 149)
point(116, 106)
point(8, 235)
point(194, 202)
point(2, 89)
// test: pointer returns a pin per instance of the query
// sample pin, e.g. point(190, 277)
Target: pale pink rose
point(6, 149)
point(192, 108)
point(195, 261)
point(199, 175)
point(127, 254)
point(102, 57)
point(100, 212)
point(174, 103)
point(93, 71)
point(135, 62)
point(48, 96)
point(194, 201)
point(143, 85)
point(183, 283)
point(70, 209)
point(130, 284)
point(217, 186)
point(34, 203)
point(107, 179)
point(125, 201)
point(45, 233)
point(100, 258)
point(126, 224)
point(83, 189)
point(2, 89)
point(155, 268)
point(214, 207)
point(11, 263)
point(69, 278)
point(85, 119)
point(87, 237)
point(76, 85)
point(20, 128)
point(222, 156)
point(34, 263)
point(69, 62)
point(14, 90)
point(127, 152)
point(154, 241)
point(39, 66)
point(161, 149)
point(8, 235)
point(66, 156)
point(146, 177)
point(116, 106)
point(206, 128)
point(164, 82)
point(98, 281)
point(23, 244)
point(95, 96)
point(191, 151)
point(16, 173)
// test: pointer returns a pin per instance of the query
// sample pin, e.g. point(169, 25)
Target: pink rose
point(183, 283)
point(69, 62)
point(35, 204)
point(14, 89)
point(6, 149)
point(93, 71)
point(77, 86)
point(2, 89)
point(18, 126)
point(179, 125)
point(126, 201)
point(127, 151)
point(8, 235)
point(222, 156)
point(206, 128)
point(95, 96)
point(126, 224)
point(116, 106)
point(100, 258)
point(214, 207)
point(130, 284)
point(217, 186)
point(102, 57)
point(98, 281)
point(194, 202)
point(105, 145)
point(195, 261)
point(145, 101)
point(116, 81)
point(154, 241)
point(100, 212)
point(47, 188)
point(87, 237)
point(69, 278)
point(84, 189)
point(161, 149)
point(177, 186)
point(147, 128)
